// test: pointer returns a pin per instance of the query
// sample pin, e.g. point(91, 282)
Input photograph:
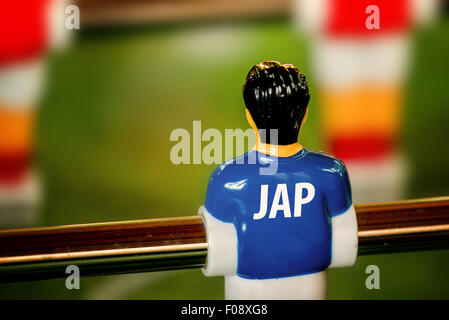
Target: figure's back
point(282, 220)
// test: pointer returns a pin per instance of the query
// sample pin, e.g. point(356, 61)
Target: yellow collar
point(278, 150)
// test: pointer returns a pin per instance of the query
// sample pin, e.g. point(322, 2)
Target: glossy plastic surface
point(282, 220)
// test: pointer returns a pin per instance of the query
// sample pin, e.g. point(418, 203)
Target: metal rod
point(102, 248)
point(410, 225)
point(180, 243)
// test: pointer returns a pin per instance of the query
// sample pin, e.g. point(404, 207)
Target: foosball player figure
point(274, 235)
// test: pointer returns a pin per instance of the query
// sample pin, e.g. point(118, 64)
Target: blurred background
point(86, 116)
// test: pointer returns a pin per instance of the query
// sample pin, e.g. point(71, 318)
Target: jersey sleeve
point(218, 201)
point(338, 190)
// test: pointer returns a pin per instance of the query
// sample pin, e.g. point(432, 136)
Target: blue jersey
point(282, 220)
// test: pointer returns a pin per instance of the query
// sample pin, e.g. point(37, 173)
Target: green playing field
point(103, 144)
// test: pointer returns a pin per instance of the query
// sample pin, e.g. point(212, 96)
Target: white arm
point(222, 246)
point(344, 239)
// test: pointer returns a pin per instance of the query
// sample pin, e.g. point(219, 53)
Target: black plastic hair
point(277, 96)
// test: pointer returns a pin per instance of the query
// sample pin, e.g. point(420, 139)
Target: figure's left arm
point(220, 231)
point(343, 221)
